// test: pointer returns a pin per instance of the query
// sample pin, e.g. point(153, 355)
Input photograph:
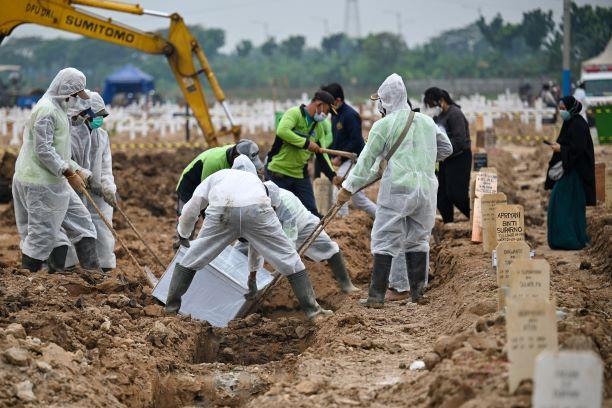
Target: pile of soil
point(66, 342)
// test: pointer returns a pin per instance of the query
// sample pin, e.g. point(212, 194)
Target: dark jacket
point(457, 128)
point(346, 128)
point(577, 154)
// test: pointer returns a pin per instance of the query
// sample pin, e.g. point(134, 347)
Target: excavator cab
point(180, 48)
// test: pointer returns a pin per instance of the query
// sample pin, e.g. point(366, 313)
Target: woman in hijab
point(571, 176)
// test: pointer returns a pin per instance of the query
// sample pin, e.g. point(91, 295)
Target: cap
point(327, 98)
point(374, 97)
point(250, 149)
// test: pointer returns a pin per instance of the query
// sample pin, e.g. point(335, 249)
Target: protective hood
point(250, 149)
point(273, 193)
point(243, 163)
point(392, 94)
point(97, 103)
point(67, 82)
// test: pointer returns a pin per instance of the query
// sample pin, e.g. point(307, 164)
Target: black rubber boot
point(416, 262)
point(87, 254)
point(181, 279)
point(379, 282)
point(57, 259)
point(336, 263)
point(304, 292)
point(33, 265)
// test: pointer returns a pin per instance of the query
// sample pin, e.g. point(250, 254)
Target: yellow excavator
point(179, 48)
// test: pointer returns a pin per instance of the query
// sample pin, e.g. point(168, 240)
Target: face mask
point(96, 122)
point(72, 101)
point(565, 115)
point(319, 117)
point(381, 110)
point(436, 111)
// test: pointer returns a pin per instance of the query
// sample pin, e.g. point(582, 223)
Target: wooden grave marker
point(531, 327)
point(486, 183)
point(568, 379)
point(530, 279)
point(507, 253)
point(488, 203)
point(510, 223)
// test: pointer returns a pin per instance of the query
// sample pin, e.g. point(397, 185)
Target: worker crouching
point(237, 206)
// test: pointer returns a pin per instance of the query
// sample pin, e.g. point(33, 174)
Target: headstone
point(488, 202)
point(486, 183)
point(510, 223)
point(530, 278)
point(480, 161)
point(472, 194)
point(531, 327)
point(568, 379)
point(323, 192)
point(507, 253)
point(609, 188)
point(217, 291)
point(600, 182)
point(480, 138)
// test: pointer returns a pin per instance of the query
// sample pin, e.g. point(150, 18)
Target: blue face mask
point(319, 117)
point(565, 115)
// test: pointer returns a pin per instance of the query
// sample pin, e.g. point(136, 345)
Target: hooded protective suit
point(406, 203)
point(91, 155)
point(42, 195)
point(237, 206)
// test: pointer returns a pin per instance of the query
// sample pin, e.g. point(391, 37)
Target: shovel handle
point(348, 155)
point(110, 227)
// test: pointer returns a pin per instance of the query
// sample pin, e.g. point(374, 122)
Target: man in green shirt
point(301, 133)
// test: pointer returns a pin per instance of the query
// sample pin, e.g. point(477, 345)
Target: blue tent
point(127, 79)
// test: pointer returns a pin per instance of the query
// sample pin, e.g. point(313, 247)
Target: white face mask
point(381, 110)
point(436, 111)
point(319, 117)
point(72, 101)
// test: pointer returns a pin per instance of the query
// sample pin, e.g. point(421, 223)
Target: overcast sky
point(255, 19)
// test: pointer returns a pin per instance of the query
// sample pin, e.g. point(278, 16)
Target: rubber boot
point(33, 265)
point(416, 262)
point(336, 263)
point(87, 254)
point(379, 282)
point(181, 279)
point(302, 288)
point(57, 259)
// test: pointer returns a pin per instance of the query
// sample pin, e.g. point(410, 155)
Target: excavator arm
point(179, 48)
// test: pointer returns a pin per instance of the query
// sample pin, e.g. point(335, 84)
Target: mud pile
point(65, 342)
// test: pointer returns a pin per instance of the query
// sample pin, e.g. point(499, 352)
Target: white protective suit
point(398, 279)
point(406, 204)
point(237, 206)
point(91, 154)
point(41, 194)
point(298, 223)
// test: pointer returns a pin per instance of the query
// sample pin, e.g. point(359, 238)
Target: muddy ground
point(64, 342)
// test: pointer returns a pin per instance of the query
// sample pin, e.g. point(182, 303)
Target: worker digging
point(373, 242)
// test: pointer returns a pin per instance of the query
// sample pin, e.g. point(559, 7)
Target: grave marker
point(609, 188)
point(530, 278)
point(531, 327)
point(568, 379)
point(510, 223)
point(486, 183)
point(600, 182)
point(507, 253)
point(488, 202)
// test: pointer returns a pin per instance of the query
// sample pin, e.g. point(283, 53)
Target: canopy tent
point(127, 79)
point(605, 58)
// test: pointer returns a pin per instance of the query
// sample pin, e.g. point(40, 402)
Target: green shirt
point(290, 153)
point(206, 163)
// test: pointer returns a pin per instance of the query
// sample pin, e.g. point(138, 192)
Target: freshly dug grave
point(109, 345)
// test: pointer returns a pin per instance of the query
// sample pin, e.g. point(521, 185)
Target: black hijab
point(577, 153)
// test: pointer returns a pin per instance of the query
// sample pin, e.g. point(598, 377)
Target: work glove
point(85, 177)
point(75, 181)
point(252, 285)
point(110, 198)
point(313, 147)
point(343, 196)
point(337, 181)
